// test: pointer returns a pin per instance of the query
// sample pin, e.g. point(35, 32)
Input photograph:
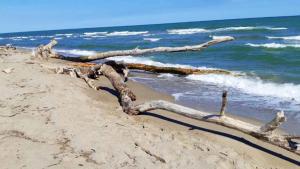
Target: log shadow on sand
point(233, 137)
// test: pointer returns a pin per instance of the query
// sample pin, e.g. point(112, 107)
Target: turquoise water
point(266, 53)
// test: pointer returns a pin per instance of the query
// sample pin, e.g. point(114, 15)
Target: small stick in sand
point(8, 70)
point(224, 103)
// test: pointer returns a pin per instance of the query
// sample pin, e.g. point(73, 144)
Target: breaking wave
point(254, 86)
point(126, 33)
point(274, 45)
point(152, 39)
point(237, 28)
point(187, 31)
point(76, 52)
point(147, 61)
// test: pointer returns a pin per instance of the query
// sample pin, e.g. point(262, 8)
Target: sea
point(264, 58)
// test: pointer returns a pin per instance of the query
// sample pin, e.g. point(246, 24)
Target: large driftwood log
point(126, 96)
point(157, 69)
point(174, 70)
point(46, 51)
point(136, 52)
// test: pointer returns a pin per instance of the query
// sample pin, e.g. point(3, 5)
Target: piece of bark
point(46, 51)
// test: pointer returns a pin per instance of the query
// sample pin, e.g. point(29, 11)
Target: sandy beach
point(51, 120)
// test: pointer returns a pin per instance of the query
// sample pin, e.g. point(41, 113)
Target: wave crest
point(76, 52)
point(143, 60)
point(152, 39)
point(274, 45)
point(236, 28)
point(187, 31)
point(254, 86)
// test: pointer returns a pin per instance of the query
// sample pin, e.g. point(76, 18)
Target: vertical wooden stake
point(224, 103)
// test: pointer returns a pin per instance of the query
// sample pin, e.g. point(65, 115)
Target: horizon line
point(147, 24)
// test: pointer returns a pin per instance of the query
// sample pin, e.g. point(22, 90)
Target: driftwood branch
point(137, 51)
point(275, 123)
point(45, 51)
point(224, 103)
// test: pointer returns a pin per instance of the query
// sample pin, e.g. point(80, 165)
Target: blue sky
point(29, 15)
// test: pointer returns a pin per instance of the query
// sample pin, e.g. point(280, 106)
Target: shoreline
point(62, 117)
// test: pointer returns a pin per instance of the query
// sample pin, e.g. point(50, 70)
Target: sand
point(50, 120)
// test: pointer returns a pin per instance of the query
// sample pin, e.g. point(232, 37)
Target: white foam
point(144, 60)
point(285, 37)
point(236, 28)
point(18, 37)
point(187, 31)
point(32, 39)
point(58, 38)
point(274, 45)
point(126, 33)
point(240, 28)
point(220, 37)
point(177, 96)
point(254, 86)
point(152, 39)
point(281, 28)
point(76, 52)
point(166, 75)
point(94, 33)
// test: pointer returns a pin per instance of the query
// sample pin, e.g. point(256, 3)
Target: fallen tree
point(174, 70)
point(132, 52)
point(46, 51)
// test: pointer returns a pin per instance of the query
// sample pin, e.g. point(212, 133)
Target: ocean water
point(265, 55)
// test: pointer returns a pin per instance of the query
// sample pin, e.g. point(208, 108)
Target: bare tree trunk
point(174, 70)
point(136, 52)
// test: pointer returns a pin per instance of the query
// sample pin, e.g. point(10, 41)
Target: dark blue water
point(265, 55)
